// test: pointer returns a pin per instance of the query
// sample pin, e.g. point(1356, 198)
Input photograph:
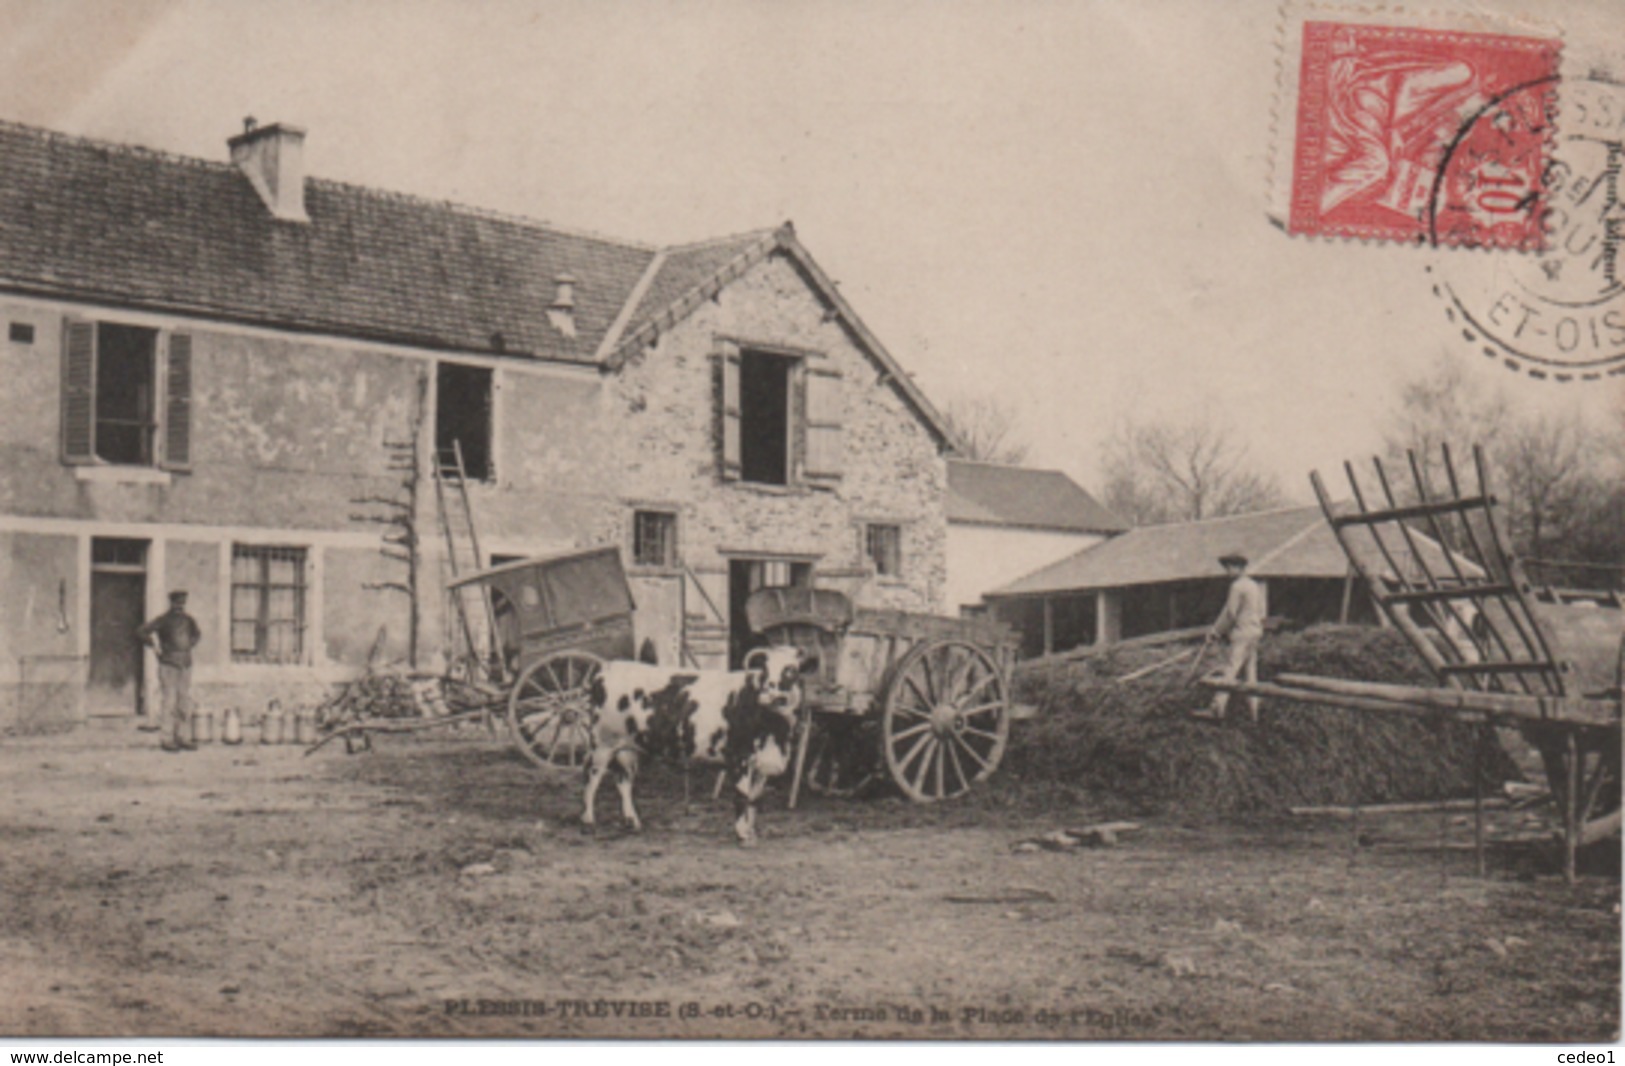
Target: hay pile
point(1136, 742)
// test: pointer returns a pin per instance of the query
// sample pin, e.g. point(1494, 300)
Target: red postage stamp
point(1417, 134)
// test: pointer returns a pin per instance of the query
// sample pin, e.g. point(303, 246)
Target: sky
point(1059, 205)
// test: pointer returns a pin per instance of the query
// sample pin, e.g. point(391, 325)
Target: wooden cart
point(557, 620)
point(1437, 563)
point(922, 698)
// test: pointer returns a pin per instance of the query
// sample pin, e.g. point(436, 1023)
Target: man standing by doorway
point(172, 636)
point(1242, 621)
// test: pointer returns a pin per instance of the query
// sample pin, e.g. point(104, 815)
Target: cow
point(741, 719)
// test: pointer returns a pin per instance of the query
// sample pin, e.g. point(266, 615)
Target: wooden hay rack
point(1440, 569)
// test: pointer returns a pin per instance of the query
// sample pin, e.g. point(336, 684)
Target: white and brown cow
point(741, 719)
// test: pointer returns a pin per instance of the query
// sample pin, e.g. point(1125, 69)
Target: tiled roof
point(1295, 542)
point(95, 221)
point(995, 494)
point(113, 224)
point(677, 272)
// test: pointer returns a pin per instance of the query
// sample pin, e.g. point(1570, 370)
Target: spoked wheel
point(946, 720)
point(841, 757)
point(548, 712)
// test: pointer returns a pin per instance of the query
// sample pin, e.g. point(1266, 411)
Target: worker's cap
point(1232, 559)
point(178, 596)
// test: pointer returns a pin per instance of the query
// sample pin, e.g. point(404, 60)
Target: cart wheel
point(841, 758)
point(946, 722)
point(547, 710)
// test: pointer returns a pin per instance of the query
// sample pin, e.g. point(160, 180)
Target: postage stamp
point(1437, 133)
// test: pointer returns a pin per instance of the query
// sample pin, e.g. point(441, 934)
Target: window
point(463, 419)
point(22, 333)
point(126, 414)
point(654, 538)
point(883, 544)
point(118, 553)
point(267, 604)
point(780, 418)
point(764, 418)
point(126, 395)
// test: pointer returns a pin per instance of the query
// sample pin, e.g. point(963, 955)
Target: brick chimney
point(273, 159)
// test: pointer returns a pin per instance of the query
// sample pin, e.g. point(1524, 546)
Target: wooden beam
point(1599, 829)
point(1349, 810)
point(1454, 592)
point(1407, 699)
point(1419, 510)
point(1556, 709)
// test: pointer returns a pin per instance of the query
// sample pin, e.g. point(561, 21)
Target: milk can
point(231, 726)
point(202, 727)
point(271, 723)
point(304, 726)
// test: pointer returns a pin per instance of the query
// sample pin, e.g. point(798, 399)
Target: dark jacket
point(177, 634)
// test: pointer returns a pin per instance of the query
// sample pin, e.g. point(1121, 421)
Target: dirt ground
point(442, 887)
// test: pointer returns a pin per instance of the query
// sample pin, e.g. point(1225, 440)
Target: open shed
point(1167, 577)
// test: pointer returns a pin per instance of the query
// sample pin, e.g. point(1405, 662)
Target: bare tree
point(1168, 472)
point(1542, 469)
point(986, 430)
point(1443, 406)
point(1559, 478)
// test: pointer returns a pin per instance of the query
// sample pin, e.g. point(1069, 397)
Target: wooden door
point(117, 606)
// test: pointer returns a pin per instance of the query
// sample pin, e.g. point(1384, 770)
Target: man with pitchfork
point(1242, 622)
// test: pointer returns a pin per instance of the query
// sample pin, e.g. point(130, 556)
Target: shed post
point(1049, 627)
point(1108, 617)
point(1348, 597)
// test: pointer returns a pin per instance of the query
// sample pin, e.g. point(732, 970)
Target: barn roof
point(92, 221)
point(1293, 542)
point(997, 494)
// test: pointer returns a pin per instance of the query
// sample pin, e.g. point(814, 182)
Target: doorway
point(118, 605)
point(745, 576)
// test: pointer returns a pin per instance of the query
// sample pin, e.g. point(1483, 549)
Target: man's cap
point(178, 596)
point(1235, 558)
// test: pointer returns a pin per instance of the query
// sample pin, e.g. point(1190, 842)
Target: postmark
point(1373, 106)
point(1558, 315)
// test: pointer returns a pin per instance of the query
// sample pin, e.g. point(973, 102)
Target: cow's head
point(776, 674)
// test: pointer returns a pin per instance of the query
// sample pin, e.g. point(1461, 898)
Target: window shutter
point(824, 445)
point(176, 424)
point(78, 391)
point(728, 413)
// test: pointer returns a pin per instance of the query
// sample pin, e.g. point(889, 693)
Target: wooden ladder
point(456, 515)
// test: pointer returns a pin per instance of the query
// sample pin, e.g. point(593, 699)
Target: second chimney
point(273, 159)
point(562, 311)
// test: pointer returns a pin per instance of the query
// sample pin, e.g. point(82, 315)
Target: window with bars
point(267, 604)
point(883, 544)
point(654, 538)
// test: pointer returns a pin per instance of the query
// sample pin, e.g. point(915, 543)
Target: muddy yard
point(442, 887)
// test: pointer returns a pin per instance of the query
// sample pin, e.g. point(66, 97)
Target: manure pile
point(1136, 740)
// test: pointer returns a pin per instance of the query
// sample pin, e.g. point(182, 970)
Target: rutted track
point(249, 891)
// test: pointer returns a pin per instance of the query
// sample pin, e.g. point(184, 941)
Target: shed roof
point(1292, 542)
point(996, 494)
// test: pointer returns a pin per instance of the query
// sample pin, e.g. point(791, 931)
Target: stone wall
point(891, 472)
point(289, 442)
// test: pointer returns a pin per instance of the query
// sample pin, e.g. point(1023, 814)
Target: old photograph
point(816, 521)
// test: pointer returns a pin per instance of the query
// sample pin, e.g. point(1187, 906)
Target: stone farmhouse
point(218, 375)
